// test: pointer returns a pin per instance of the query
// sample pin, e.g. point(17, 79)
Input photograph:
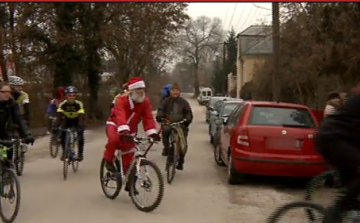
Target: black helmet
point(71, 89)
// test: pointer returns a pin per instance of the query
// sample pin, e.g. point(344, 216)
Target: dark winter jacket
point(175, 110)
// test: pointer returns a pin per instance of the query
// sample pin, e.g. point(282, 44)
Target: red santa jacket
point(126, 115)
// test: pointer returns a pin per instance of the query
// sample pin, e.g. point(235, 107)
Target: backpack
point(165, 92)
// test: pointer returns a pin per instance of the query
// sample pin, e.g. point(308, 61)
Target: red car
point(269, 138)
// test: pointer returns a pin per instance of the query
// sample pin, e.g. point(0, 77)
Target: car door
point(228, 130)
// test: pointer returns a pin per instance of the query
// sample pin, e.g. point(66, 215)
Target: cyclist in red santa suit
point(121, 126)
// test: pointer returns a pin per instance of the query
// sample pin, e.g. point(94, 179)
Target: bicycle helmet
point(71, 89)
point(16, 81)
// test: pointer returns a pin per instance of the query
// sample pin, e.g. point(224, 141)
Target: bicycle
point(70, 155)
point(8, 179)
point(313, 209)
point(137, 174)
point(176, 146)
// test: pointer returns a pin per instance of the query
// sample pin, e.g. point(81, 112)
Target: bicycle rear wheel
point(107, 178)
point(171, 162)
point(54, 146)
point(10, 190)
point(279, 214)
point(144, 182)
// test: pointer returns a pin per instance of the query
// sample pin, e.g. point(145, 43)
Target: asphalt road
point(199, 194)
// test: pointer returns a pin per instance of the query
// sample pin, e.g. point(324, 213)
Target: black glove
point(156, 137)
point(127, 138)
point(186, 122)
point(29, 139)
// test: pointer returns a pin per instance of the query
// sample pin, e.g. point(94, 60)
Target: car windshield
point(209, 93)
point(278, 116)
point(228, 108)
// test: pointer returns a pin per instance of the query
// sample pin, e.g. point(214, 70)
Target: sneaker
point(62, 158)
point(180, 166)
point(127, 189)
point(80, 158)
point(110, 166)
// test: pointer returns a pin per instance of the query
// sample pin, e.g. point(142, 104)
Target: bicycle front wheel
point(294, 212)
point(10, 191)
point(171, 163)
point(20, 161)
point(140, 182)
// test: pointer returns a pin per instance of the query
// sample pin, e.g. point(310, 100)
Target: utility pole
point(224, 68)
point(276, 51)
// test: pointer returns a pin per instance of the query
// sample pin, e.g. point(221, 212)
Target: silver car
point(219, 116)
point(210, 106)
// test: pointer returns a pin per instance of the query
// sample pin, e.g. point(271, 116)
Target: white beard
point(137, 99)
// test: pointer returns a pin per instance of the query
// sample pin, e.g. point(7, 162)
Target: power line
point(241, 15)
point(259, 7)
point(248, 15)
point(232, 16)
point(227, 9)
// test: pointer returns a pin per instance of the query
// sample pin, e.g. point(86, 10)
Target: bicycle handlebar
point(174, 123)
point(11, 142)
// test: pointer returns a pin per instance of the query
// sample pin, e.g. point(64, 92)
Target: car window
point(227, 109)
point(235, 115)
point(209, 93)
point(203, 93)
point(278, 116)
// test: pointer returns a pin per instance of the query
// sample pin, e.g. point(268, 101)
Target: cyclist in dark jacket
point(174, 109)
point(10, 116)
point(338, 141)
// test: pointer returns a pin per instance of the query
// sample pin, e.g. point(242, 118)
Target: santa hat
point(135, 82)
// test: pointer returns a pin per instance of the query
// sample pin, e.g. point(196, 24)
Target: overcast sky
point(239, 15)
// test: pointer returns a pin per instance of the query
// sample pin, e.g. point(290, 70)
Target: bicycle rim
point(9, 181)
point(280, 214)
point(171, 162)
point(106, 180)
point(75, 162)
point(134, 181)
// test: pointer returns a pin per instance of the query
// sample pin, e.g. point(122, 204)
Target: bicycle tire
point(316, 183)
point(118, 182)
point(12, 175)
point(132, 187)
point(171, 165)
point(75, 163)
point(66, 161)
point(53, 146)
point(20, 162)
point(281, 211)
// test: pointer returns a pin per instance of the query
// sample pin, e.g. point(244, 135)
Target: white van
point(204, 96)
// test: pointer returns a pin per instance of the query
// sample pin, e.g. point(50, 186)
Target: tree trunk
point(2, 56)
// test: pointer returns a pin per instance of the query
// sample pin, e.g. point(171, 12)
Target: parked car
point(221, 116)
point(269, 138)
point(210, 106)
point(204, 96)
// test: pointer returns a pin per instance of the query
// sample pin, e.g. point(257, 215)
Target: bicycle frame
point(70, 138)
point(135, 161)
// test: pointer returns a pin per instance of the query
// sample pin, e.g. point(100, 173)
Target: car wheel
point(217, 156)
point(233, 176)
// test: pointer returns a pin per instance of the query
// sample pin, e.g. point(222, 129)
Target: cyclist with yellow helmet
point(20, 96)
point(71, 112)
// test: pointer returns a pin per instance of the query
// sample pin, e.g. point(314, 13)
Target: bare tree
point(199, 42)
